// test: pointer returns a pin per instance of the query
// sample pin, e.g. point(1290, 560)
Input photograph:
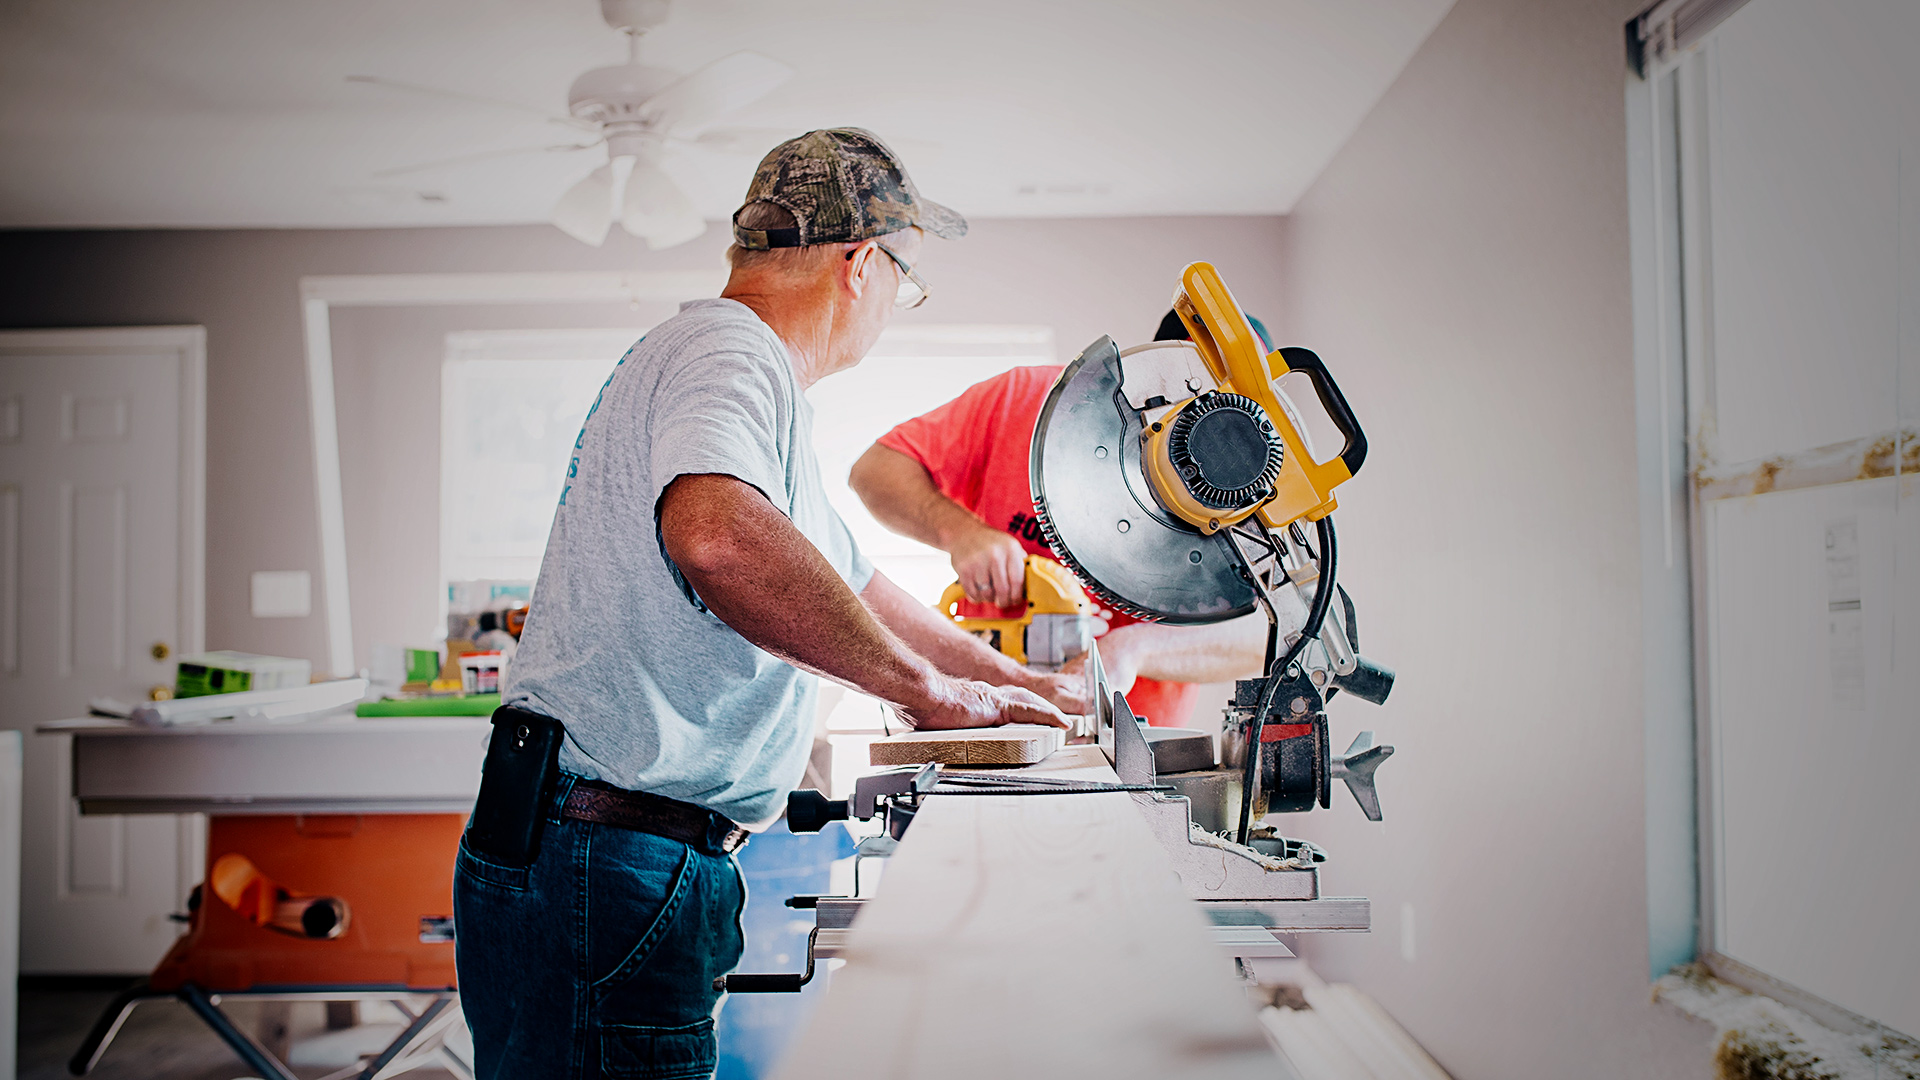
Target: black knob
point(809, 811)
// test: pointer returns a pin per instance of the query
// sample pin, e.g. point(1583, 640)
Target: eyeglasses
point(913, 292)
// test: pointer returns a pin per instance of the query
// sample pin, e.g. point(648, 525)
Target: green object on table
point(422, 664)
point(464, 705)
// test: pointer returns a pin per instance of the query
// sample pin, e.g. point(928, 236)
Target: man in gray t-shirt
point(696, 584)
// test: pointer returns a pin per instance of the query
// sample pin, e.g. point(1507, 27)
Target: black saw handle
point(1354, 452)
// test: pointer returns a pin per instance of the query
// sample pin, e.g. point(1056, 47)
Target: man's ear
point(859, 270)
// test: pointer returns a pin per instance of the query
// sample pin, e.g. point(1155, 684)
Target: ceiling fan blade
point(655, 208)
point(485, 155)
point(714, 91)
point(585, 212)
point(471, 99)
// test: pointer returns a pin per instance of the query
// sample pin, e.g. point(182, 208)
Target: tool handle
point(779, 983)
point(808, 811)
point(1354, 452)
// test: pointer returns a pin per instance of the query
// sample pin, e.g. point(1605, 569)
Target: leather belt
point(604, 804)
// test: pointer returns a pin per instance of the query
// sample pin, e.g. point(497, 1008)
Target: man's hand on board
point(967, 703)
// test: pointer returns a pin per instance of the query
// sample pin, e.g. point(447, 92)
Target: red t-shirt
point(977, 447)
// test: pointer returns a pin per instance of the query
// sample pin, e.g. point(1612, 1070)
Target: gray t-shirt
point(656, 693)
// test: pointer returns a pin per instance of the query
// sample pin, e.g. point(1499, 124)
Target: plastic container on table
point(480, 672)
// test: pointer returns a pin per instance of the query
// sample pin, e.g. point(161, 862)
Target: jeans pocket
point(637, 1052)
point(636, 884)
point(490, 874)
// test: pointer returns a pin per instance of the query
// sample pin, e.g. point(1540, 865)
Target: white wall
point(1463, 267)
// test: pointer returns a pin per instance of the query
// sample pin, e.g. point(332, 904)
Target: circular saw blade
point(1091, 496)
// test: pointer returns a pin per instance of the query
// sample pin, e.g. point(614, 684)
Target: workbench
point(1041, 936)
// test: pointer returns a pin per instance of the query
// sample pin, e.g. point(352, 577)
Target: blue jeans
point(598, 960)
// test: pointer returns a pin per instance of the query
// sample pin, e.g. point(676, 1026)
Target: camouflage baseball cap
point(841, 185)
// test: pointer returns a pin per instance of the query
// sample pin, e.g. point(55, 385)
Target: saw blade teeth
point(1079, 572)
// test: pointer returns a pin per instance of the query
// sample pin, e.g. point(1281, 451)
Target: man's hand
point(1066, 688)
point(968, 703)
point(992, 566)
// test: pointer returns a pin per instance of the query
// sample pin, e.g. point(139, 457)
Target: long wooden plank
point(1038, 936)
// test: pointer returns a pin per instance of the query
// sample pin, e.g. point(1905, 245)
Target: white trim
point(329, 504)
point(320, 294)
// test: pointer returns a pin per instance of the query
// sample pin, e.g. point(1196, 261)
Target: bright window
point(511, 404)
point(1781, 165)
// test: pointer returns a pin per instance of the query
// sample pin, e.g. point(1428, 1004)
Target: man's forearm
point(1236, 649)
point(760, 576)
point(901, 495)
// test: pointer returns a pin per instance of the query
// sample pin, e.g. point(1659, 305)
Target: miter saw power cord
point(1323, 594)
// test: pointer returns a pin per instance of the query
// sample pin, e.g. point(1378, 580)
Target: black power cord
point(1316, 617)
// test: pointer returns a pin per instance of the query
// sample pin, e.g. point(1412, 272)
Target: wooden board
point(1041, 937)
point(1014, 744)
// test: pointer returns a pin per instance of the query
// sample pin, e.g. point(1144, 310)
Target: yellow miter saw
point(1176, 480)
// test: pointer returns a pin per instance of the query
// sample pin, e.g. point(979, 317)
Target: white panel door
point(99, 587)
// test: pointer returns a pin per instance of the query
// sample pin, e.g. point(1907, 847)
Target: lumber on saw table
point(1014, 744)
point(1039, 936)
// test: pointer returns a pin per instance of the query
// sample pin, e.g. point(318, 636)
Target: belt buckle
point(735, 839)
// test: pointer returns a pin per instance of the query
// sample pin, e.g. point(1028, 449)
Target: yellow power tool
point(1056, 626)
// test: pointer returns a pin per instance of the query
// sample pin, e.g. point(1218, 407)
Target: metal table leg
point(400, 1044)
point(242, 1044)
point(105, 1028)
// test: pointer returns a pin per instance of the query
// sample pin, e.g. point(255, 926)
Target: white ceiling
point(222, 113)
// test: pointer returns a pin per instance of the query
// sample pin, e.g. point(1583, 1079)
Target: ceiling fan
point(641, 114)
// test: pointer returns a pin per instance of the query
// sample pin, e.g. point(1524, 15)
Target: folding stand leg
point(423, 1038)
point(413, 1031)
point(105, 1028)
point(239, 1041)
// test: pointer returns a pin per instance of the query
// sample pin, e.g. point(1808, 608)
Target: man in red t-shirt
point(956, 478)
